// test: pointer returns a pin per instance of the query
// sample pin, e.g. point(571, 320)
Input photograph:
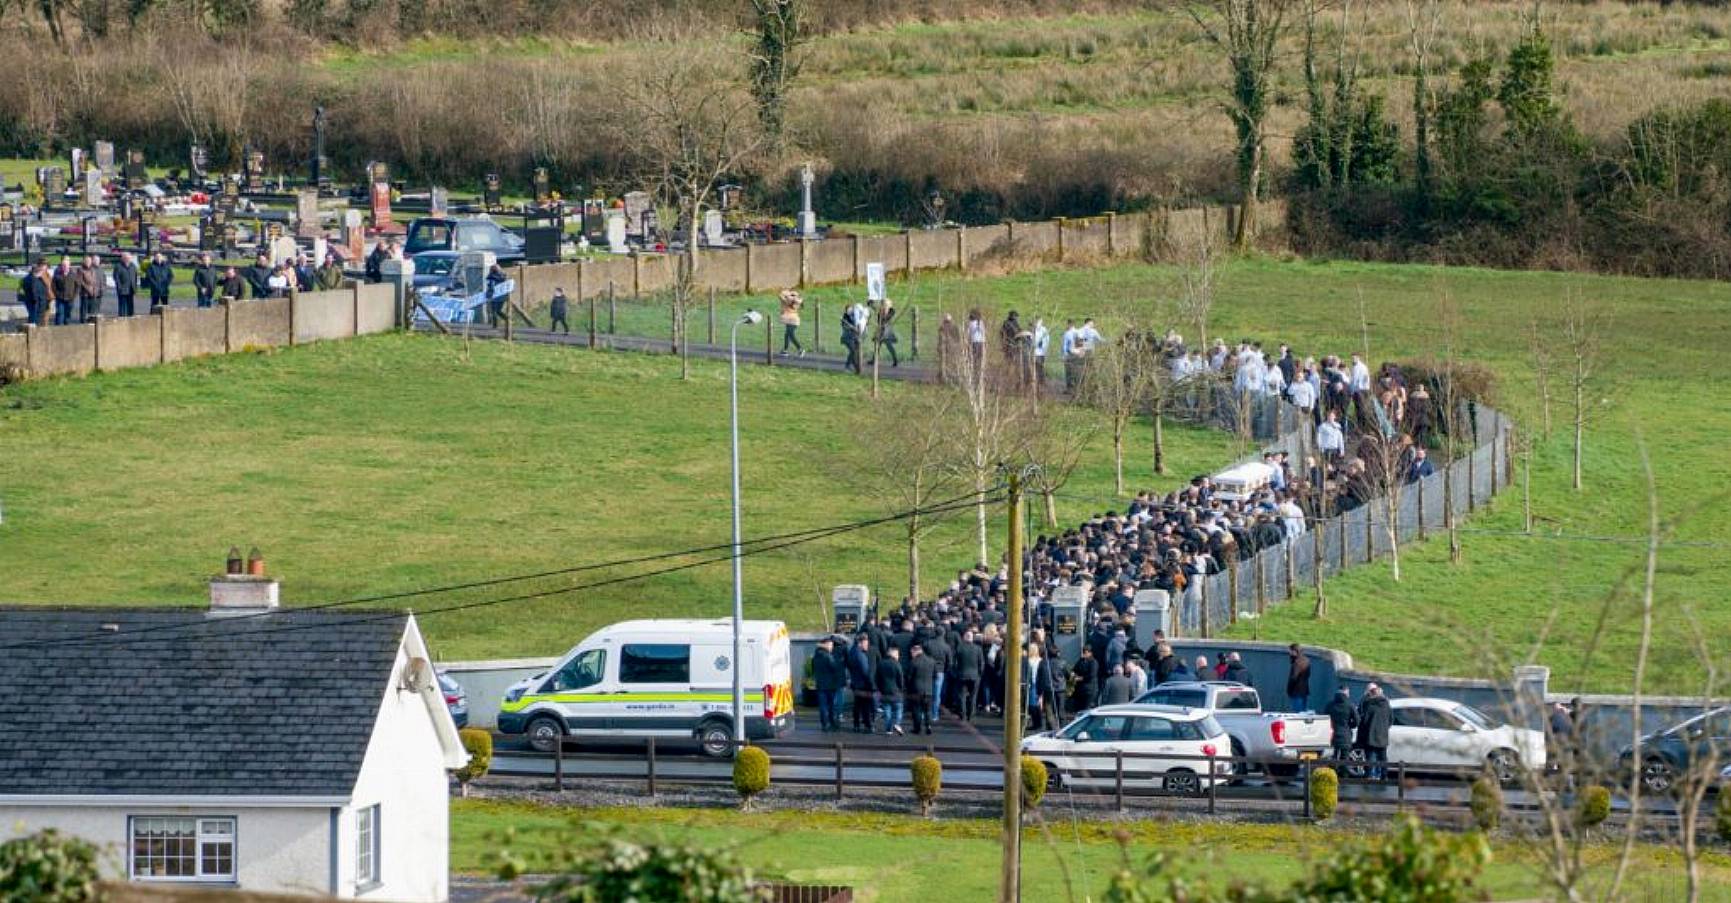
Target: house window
point(367, 847)
point(174, 848)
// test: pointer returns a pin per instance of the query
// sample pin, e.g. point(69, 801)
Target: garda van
point(662, 678)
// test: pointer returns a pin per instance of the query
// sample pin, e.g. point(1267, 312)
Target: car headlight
point(514, 694)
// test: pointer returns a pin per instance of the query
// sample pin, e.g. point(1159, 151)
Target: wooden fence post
point(1232, 586)
point(962, 248)
point(769, 341)
point(592, 342)
point(712, 315)
point(1207, 616)
point(914, 324)
point(612, 310)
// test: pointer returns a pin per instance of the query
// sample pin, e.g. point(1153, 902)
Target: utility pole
point(1011, 889)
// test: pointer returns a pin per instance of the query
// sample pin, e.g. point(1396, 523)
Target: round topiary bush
point(750, 774)
point(479, 745)
point(1487, 803)
point(1324, 793)
point(928, 776)
point(1033, 781)
point(47, 867)
point(1595, 806)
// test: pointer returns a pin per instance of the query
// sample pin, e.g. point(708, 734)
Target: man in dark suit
point(1374, 717)
point(862, 679)
point(922, 687)
point(890, 681)
point(969, 666)
point(829, 673)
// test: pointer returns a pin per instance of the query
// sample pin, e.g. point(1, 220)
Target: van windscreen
point(655, 663)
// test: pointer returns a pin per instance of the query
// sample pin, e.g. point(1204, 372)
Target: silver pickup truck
point(1255, 734)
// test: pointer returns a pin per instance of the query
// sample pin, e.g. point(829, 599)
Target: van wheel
point(545, 733)
point(716, 738)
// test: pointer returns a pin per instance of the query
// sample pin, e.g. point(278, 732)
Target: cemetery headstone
point(319, 177)
point(636, 202)
point(210, 231)
point(543, 187)
point(198, 161)
point(229, 199)
point(8, 229)
point(53, 182)
point(807, 218)
point(282, 247)
point(594, 219)
point(135, 173)
point(381, 205)
point(78, 161)
point(379, 171)
point(254, 169)
point(651, 224)
point(105, 158)
point(307, 213)
point(491, 191)
point(438, 201)
point(616, 232)
point(93, 196)
point(713, 227)
point(729, 195)
point(354, 234)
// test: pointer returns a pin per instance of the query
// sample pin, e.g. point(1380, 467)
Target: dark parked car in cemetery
point(478, 234)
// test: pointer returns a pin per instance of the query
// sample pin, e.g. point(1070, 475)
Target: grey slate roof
point(197, 705)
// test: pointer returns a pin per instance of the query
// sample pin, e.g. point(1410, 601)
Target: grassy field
point(399, 462)
point(1514, 596)
point(904, 858)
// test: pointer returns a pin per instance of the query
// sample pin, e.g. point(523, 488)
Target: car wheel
point(1657, 776)
point(1355, 767)
point(545, 733)
point(1179, 782)
point(717, 739)
point(1505, 765)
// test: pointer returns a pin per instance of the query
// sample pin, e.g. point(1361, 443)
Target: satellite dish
point(418, 675)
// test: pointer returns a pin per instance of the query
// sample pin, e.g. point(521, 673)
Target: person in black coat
point(1342, 719)
point(829, 673)
point(205, 280)
point(923, 673)
point(941, 654)
point(1087, 674)
point(862, 679)
point(1374, 718)
point(257, 278)
point(125, 282)
point(1298, 679)
point(1235, 670)
point(890, 681)
point(969, 667)
point(158, 276)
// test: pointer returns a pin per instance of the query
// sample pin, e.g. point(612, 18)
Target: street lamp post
point(751, 318)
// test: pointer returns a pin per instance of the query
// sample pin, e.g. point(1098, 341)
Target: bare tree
point(1198, 280)
point(1248, 34)
point(1649, 577)
point(689, 125)
point(1582, 341)
point(1058, 435)
point(1387, 458)
point(1423, 21)
point(995, 414)
point(1544, 362)
point(1451, 415)
point(1114, 383)
point(913, 456)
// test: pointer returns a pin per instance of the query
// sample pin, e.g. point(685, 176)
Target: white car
point(1443, 734)
point(1165, 748)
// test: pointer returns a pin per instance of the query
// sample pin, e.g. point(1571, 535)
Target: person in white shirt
point(1294, 518)
point(1360, 382)
point(1273, 381)
point(1302, 393)
point(1217, 359)
point(1070, 346)
point(1087, 337)
point(1329, 439)
point(1042, 339)
point(976, 329)
point(1248, 379)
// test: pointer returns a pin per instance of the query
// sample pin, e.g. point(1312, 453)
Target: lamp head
point(751, 318)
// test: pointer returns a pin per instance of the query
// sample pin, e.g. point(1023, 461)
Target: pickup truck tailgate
point(1307, 731)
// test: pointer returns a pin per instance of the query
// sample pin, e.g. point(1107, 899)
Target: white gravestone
point(616, 232)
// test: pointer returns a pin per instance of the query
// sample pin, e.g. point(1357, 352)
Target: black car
point(1665, 755)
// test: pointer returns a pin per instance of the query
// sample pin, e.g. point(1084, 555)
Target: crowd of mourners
point(947, 652)
point(72, 292)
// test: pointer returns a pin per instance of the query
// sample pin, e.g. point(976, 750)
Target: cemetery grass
point(958, 859)
point(400, 462)
point(1514, 597)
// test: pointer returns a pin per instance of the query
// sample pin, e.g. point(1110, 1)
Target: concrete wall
point(14, 351)
point(723, 269)
point(889, 250)
point(829, 262)
point(932, 249)
point(486, 683)
point(375, 308)
point(775, 267)
point(62, 349)
point(1035, 239)
point(128, 342)
point(282, 850)
point(985, 241)
point(193, 332)
point(323, 315)
point(654, 273)
point(263, 324)
point(1086, 238)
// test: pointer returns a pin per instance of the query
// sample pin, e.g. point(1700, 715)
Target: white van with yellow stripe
point(663, 678)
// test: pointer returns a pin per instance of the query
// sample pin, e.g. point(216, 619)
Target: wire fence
point(1330, 545)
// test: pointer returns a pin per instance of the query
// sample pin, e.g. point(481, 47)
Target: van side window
point(645, 663)
point(585, 670)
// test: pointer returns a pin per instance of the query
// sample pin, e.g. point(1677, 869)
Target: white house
point(243, 746)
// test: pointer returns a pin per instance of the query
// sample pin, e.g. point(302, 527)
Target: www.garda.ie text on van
point(664, 678)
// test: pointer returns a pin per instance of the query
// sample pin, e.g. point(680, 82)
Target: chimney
point(243, 590)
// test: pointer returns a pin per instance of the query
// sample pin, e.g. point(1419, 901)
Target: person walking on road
point(922, 689)
point(886, 334)
point(829, 672)
point(970, 662)
point(559, 312)
point(862, 679)
point(791, 303)
point(1374, 717)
